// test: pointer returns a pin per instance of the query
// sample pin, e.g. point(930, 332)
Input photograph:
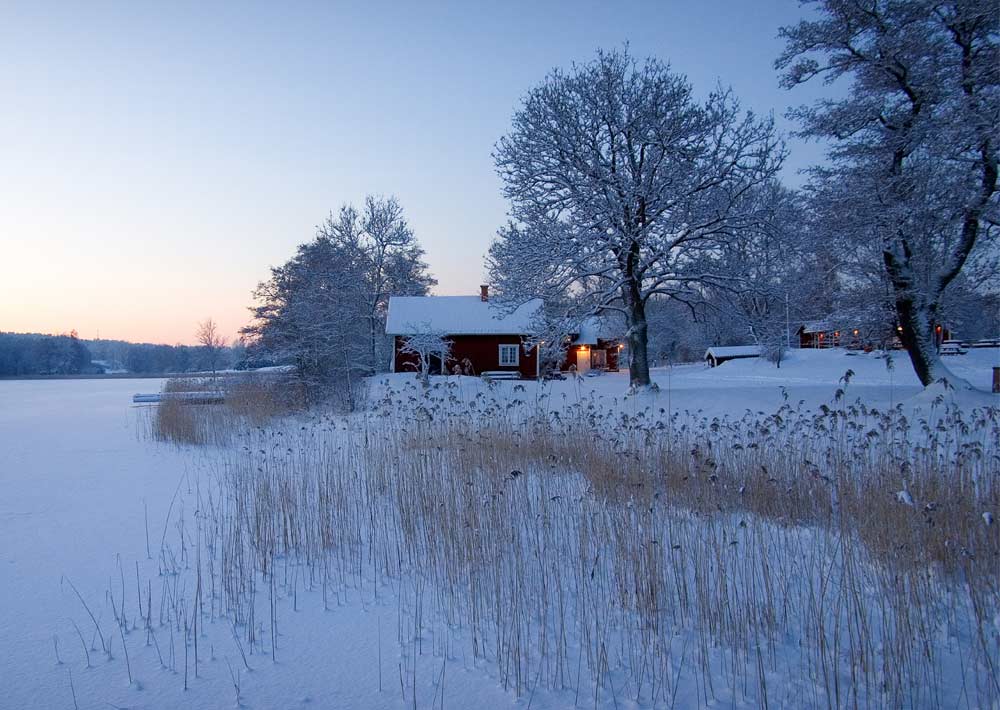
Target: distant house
point(484, 339)
point(823, 334)
point(717, 355)
point(593, 347)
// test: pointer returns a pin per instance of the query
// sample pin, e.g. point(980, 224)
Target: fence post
point(996, 380)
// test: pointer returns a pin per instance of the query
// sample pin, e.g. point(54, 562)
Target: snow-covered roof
point(457, 315)
point(592, 329)
point(733, 351)
point(816, 326)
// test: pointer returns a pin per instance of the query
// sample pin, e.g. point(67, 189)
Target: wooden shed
point(717, 355)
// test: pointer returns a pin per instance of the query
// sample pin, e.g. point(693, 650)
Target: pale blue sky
point(157, 158)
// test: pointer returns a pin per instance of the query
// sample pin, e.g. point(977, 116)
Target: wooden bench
point(501, 375)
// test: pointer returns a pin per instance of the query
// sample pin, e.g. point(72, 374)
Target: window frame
point(509, 347)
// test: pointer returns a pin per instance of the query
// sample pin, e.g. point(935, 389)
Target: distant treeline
point(33, 354)
point(36, 354)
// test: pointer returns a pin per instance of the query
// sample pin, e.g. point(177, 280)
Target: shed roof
point(457, 315)
point(816, 326)
point(731, 351)
point(593, 329)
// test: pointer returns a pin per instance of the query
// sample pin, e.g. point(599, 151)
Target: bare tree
point(390, 258)
point(212, 342)
point(768, 269)
point(914, 157)
point(427, 344)
point(622, 188)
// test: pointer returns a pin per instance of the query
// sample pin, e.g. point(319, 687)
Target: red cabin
point(482, 338)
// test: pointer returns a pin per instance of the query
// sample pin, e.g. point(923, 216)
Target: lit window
point(509, 355)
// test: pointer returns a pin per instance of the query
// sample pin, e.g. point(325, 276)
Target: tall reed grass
point(844, 557)
point(250, 400)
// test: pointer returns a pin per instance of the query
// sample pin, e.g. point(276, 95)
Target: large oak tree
point(914, 150)
point(623, 186)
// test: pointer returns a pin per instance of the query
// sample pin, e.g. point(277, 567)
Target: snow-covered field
point(808, 376)
point(88, 503)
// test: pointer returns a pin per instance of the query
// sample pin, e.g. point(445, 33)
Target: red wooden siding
point(482, 351)
point(610, 347)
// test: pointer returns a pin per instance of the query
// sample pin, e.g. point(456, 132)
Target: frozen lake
point(74, 477)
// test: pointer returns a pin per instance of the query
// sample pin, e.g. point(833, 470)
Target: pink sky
point(158, 158)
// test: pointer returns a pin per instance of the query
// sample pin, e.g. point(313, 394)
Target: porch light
point(855, 331)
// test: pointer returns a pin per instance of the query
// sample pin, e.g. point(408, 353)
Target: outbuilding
point(717, 355)
point(592, 348)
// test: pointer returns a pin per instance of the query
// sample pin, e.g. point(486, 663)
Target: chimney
point(484, 292)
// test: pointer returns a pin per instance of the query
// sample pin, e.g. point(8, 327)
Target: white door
point(583, 361)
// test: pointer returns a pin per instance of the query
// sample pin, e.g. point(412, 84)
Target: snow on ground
point(810, 376)
point(77, 483)
point(75, 477)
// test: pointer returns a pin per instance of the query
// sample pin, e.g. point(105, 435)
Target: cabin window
point(509, 355)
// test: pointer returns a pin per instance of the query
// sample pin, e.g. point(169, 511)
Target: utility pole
point(788, 327)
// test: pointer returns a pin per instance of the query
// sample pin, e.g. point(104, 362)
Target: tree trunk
point(638, 366)
point(374, 349)
point(917, 312)
point(917, 335)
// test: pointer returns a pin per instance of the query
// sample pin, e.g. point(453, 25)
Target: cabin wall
point(825, 339)
point(482, 351)
point(610, 348)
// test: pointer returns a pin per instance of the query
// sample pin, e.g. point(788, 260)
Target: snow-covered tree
point(427, 344)
point(622, 188)
point(311, 313)
point(324, 309)
point(390, 257)
point(768, 268)
point(914, 163)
